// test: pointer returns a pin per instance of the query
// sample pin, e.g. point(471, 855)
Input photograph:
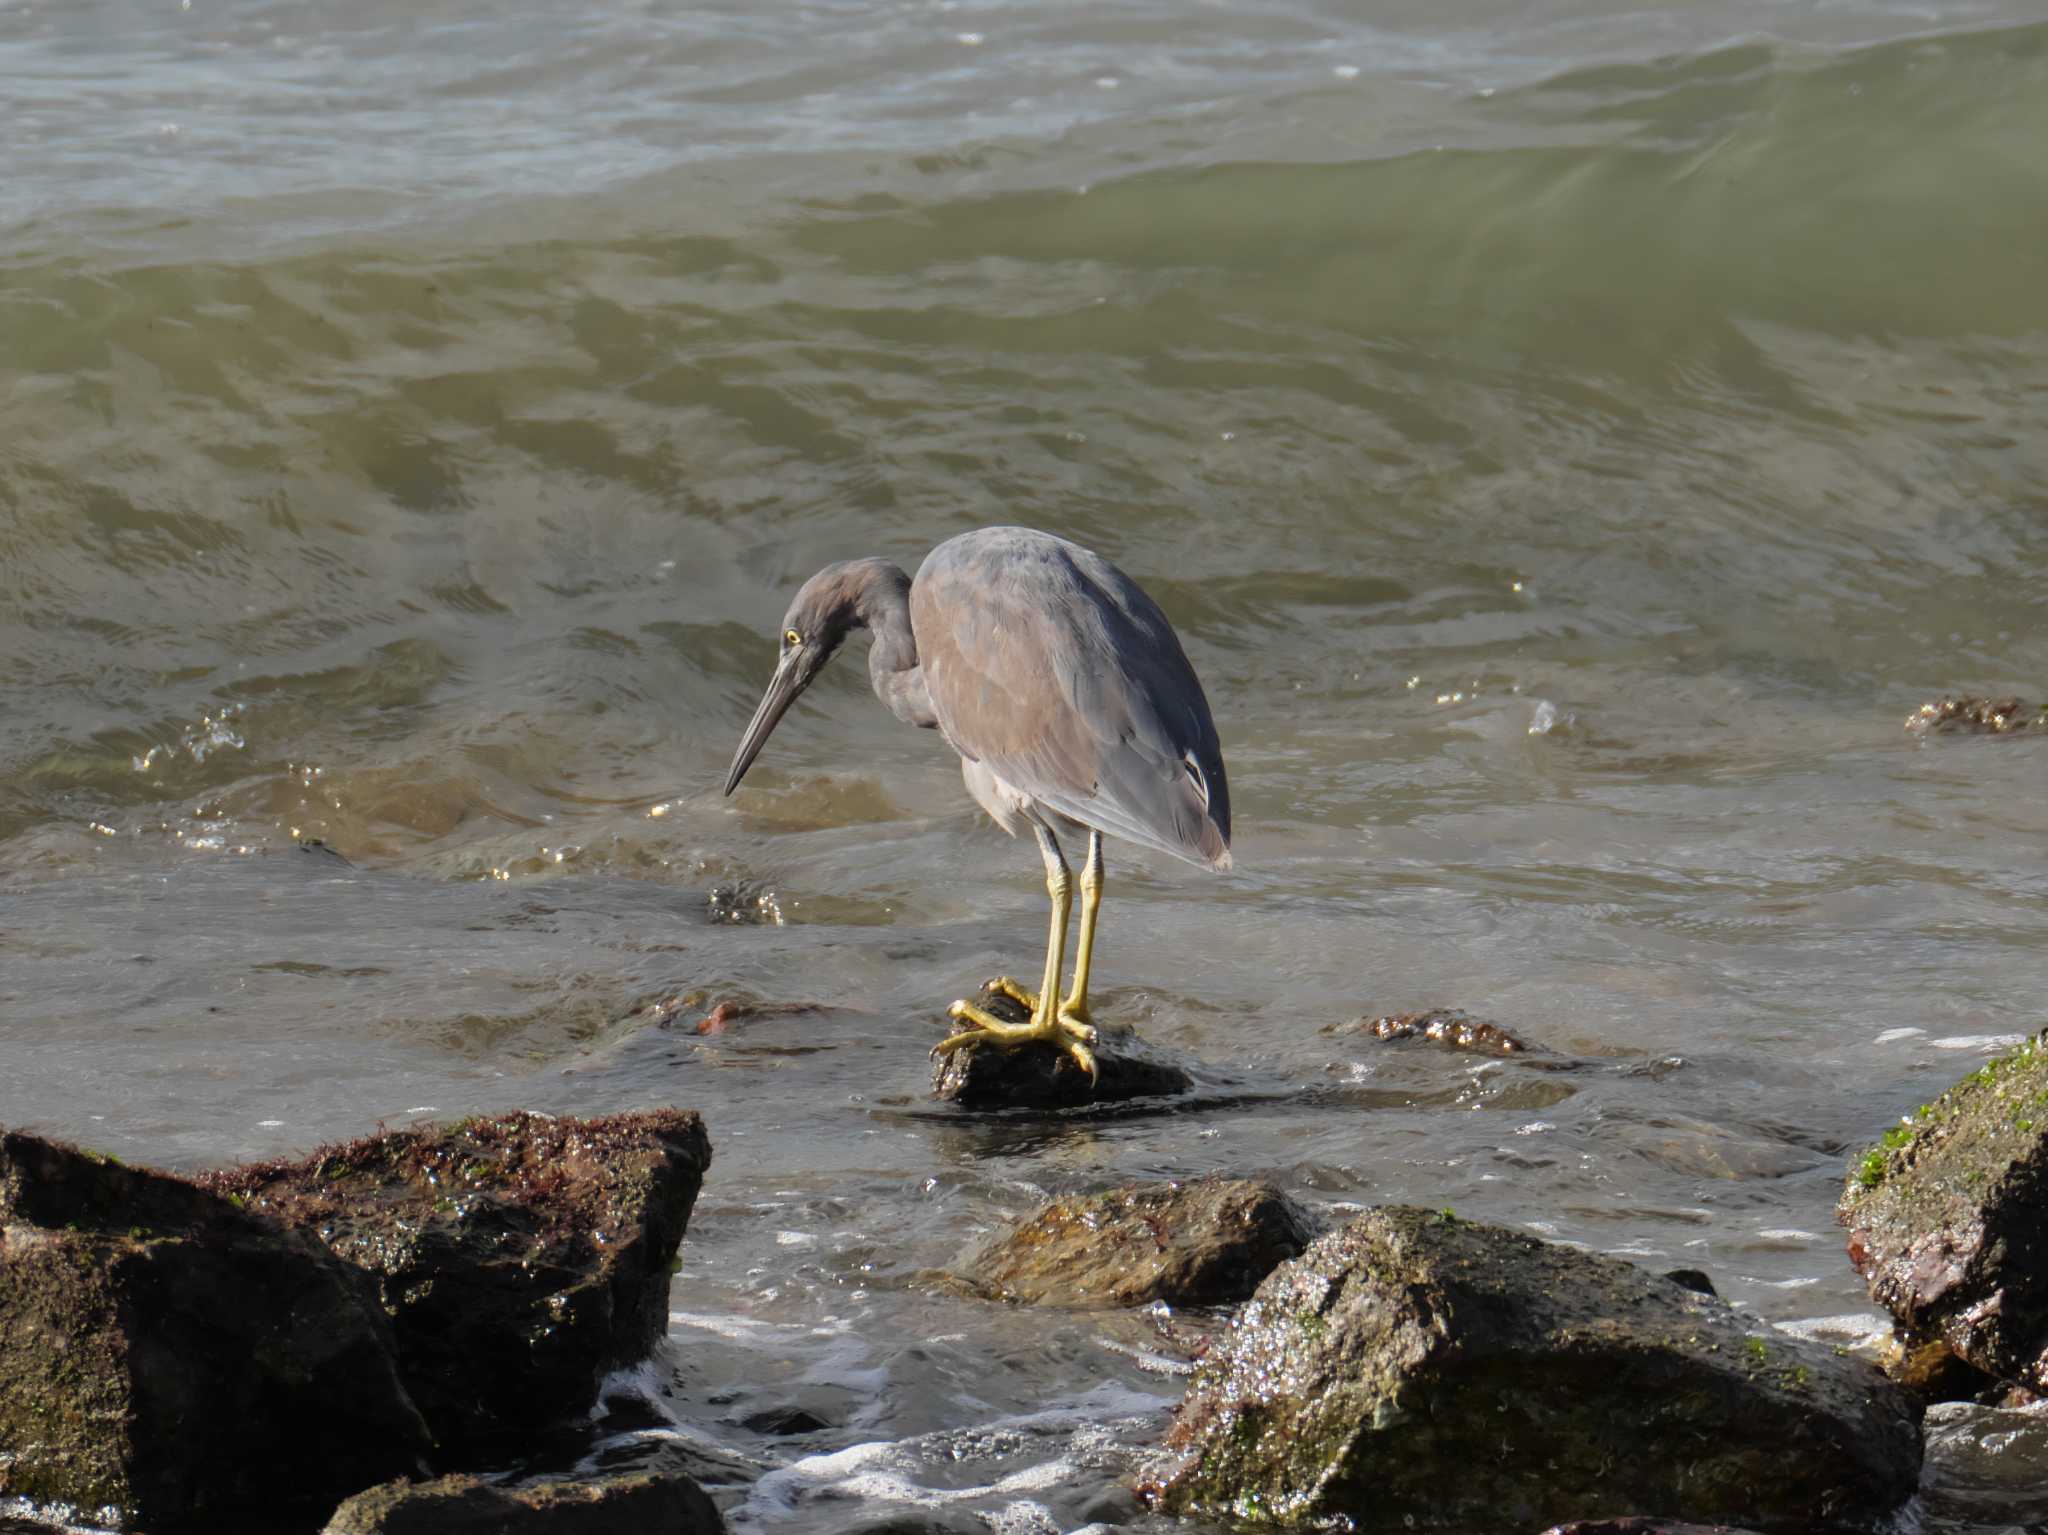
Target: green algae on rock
point(169, 1360)
point(520, 1257)
point(1202, 1243)
point(462, 1505)
point(1946, 1219)
point(1416, 1371)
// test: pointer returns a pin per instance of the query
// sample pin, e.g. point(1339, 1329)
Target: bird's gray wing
point(1057, 672)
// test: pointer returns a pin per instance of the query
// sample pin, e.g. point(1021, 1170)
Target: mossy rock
point(1947, 1223)
point(1417, 1371)
point(1204, 1243)
point(170, 1361)
point(520, 1257)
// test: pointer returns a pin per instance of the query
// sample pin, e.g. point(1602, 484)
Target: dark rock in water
point(1692, 1279)
point(1946, 1224)
point(519, 1257)
point(461, 1505)
point(782, 1421)
point(1979, 716)
point(1637, 1524)
point(167, 1359)
point(1418, 1371)
point(923, 1522)
point(1040, 1077)
point(1447, 1026)
point(744, 903)
point(1204, 1243)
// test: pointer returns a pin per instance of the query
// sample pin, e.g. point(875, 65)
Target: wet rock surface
point(1978, 716)
point(1201, 1243)
point(1983, 1466)
point(1040, 1077)
point(1641, 1525)
point(170, 1360)
point(1418, 1371)
point(519, 1257)
point(1946, 1219)
point(461, 1505)
point(1450, 1027)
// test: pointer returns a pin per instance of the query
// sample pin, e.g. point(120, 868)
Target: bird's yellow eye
point(791, 638)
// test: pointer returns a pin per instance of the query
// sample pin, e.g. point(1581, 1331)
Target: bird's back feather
point(1048, 664)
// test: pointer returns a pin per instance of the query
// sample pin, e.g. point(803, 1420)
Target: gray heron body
point(1067, 695)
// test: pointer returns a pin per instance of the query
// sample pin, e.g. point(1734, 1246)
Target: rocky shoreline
point(372, 1334)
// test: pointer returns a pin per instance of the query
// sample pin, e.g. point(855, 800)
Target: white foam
point(1858, 1329)
point(887, 1471)
point(737, 1329)
point(1981, 1042)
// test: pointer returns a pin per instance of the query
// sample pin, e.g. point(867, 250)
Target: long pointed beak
point(783, 688)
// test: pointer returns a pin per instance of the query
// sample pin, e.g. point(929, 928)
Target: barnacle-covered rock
point(520, 1257)
point(168, 1359)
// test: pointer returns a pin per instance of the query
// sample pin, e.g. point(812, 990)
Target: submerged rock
point(1979, 716)
point(1203, 1243)
point(1946, 1224)
point(1040, 1077)
point(1448, 1026)
point(519, 1257)
point(1418, 1371)
point(167, 1359)
point(461, 1505)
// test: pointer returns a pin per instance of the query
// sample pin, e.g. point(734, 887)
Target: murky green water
point(1570, 440)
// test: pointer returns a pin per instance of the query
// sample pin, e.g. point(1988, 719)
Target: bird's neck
point(884, 609)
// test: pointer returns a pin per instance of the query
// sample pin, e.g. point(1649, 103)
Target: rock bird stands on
point(1065, 692)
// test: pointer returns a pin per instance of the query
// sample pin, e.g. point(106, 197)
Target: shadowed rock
point(1417, 1371)
point(1204, 1243)
point(519, 1257)
point(461, 1505)
point(1040, 1077)
point(1637, 1524)
point(169, 1360)
point(1945, 1219)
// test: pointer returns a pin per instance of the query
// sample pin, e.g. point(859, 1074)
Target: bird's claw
point(1068, 1031)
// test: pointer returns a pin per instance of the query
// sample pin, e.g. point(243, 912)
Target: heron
point(1070, 701)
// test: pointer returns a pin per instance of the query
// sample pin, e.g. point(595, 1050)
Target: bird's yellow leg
point(1074, 1011)
point(1047, 1026)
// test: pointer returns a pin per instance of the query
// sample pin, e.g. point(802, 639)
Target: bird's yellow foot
point(1074, 1015)
point(1069, 1034)
point(1003, 986)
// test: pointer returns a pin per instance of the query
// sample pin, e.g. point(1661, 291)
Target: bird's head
point(826, 609)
